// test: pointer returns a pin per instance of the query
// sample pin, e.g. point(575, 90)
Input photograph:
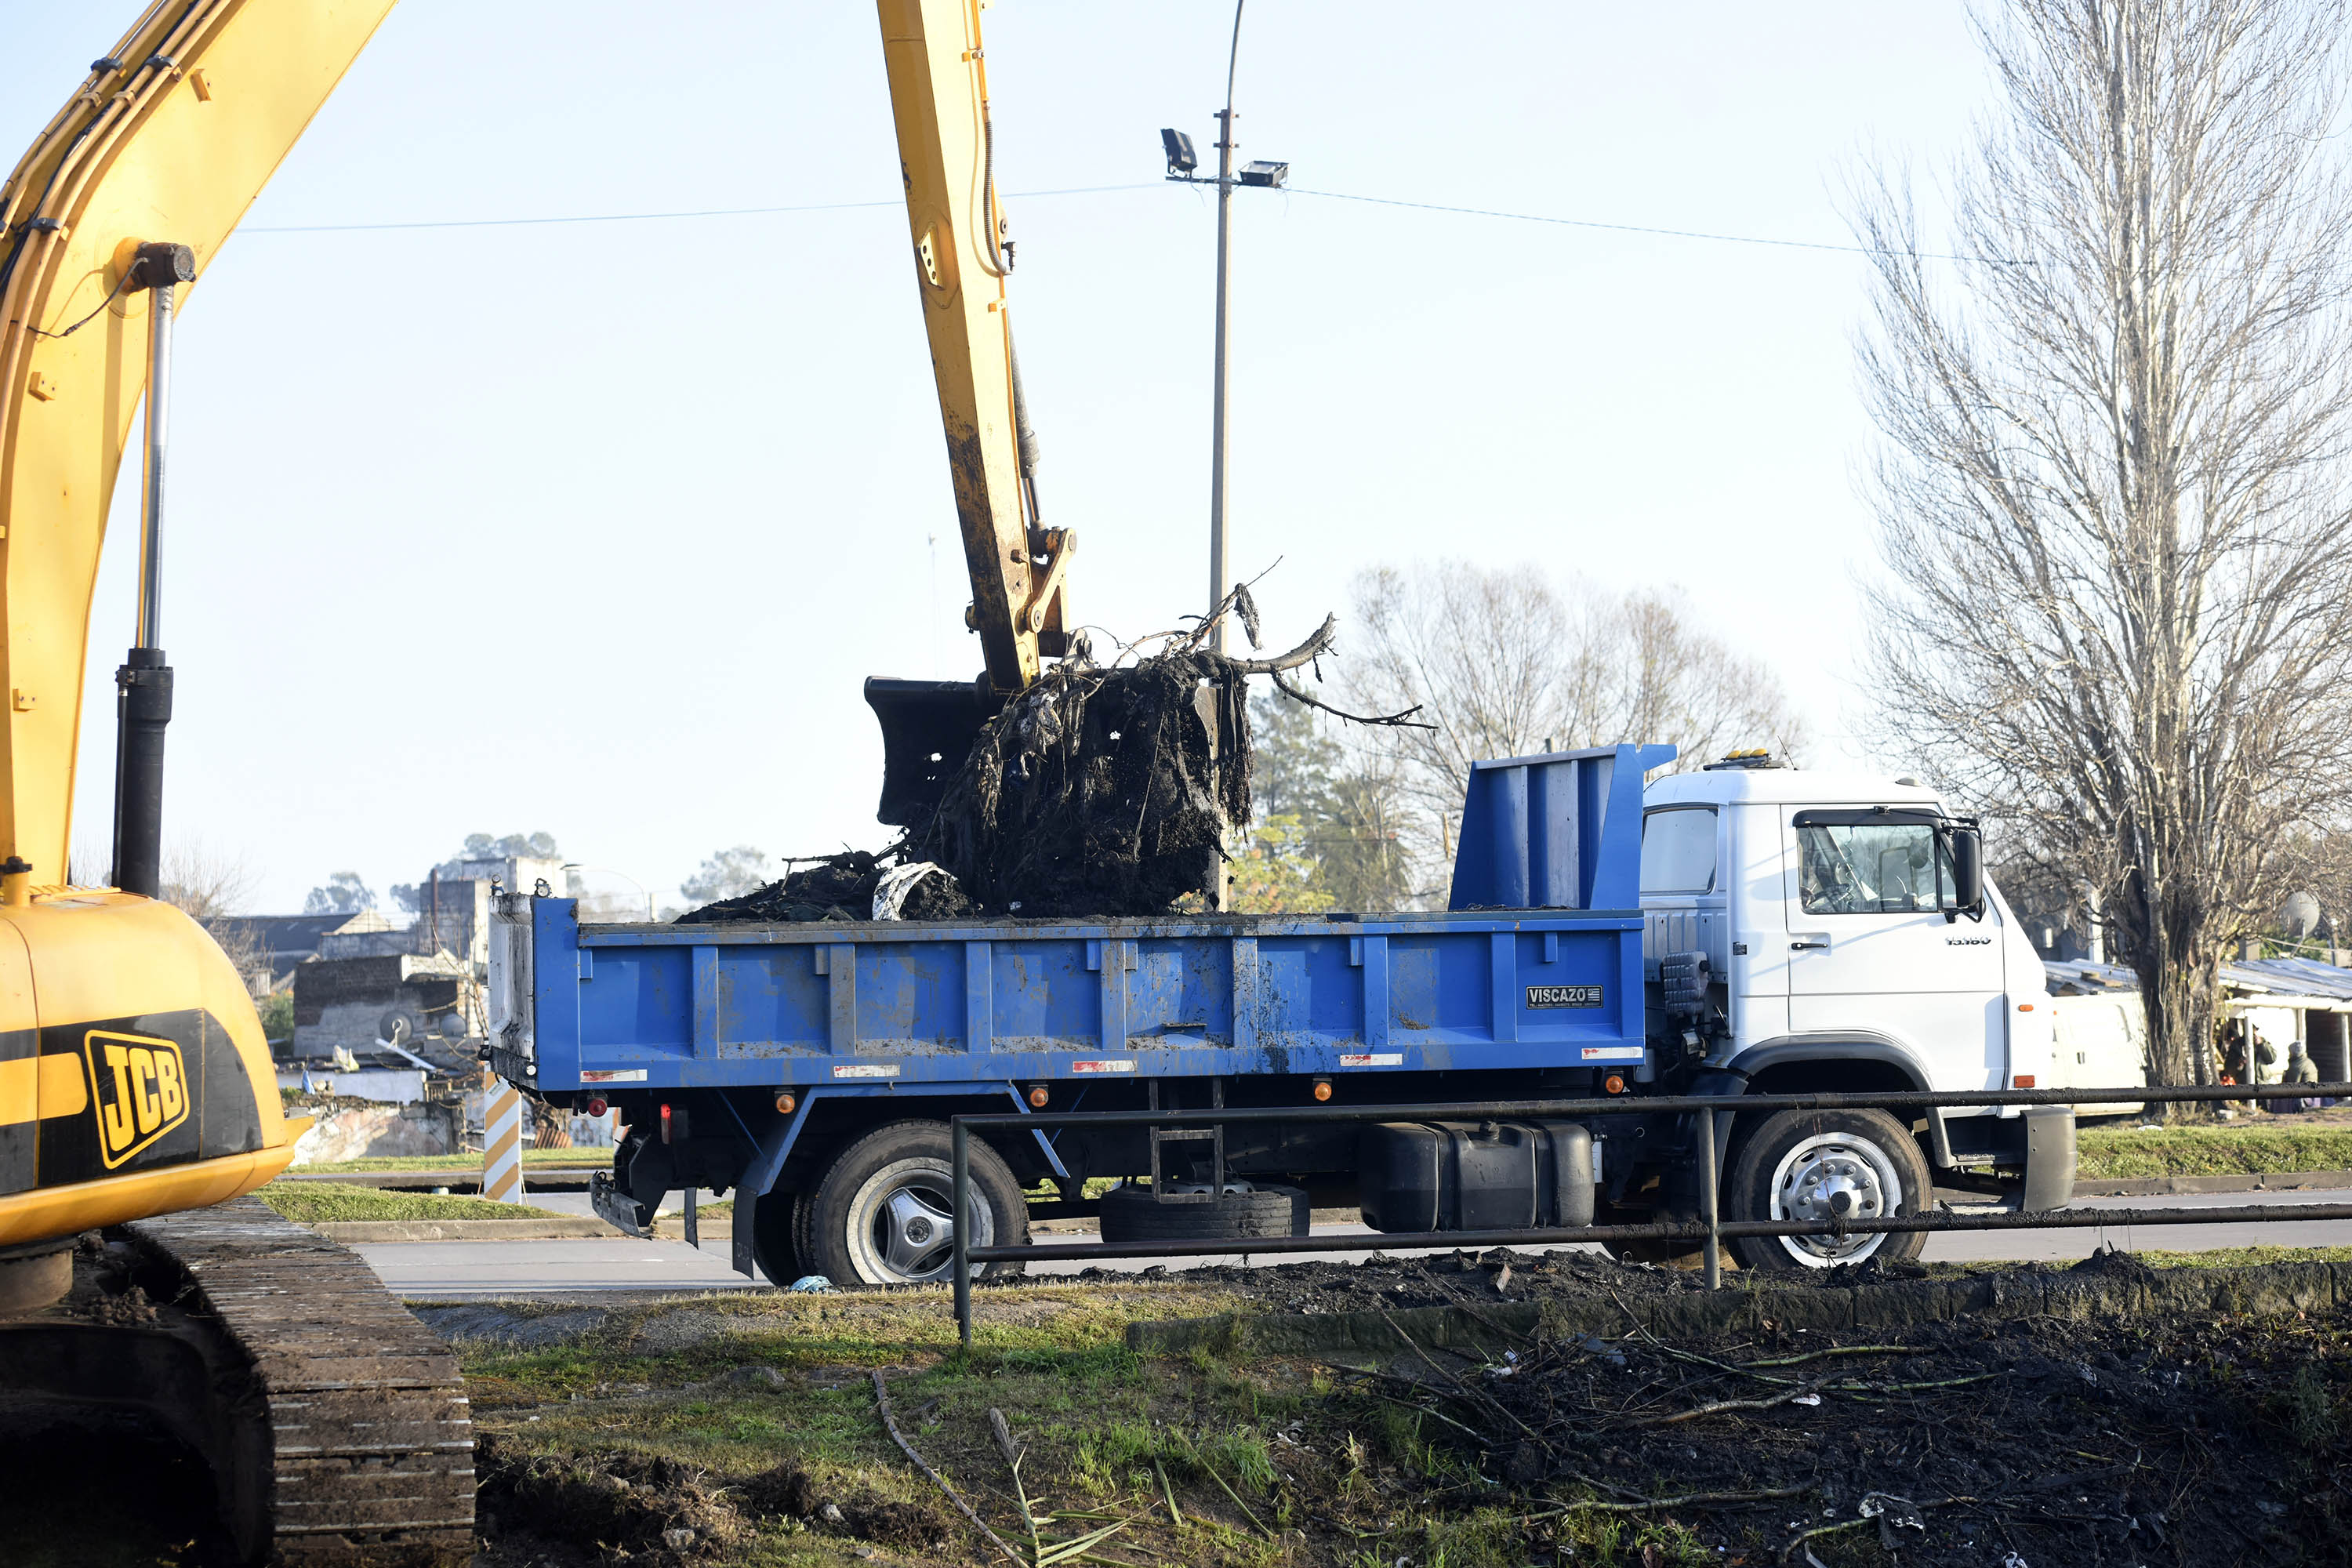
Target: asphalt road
point(460, 1270)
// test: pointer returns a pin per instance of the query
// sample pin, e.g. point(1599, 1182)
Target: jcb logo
point(139, 1089)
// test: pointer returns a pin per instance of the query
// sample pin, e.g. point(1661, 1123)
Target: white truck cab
point(1842, 952)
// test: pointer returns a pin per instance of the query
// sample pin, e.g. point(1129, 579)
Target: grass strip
point(319, 1203)
point(2120, 1153)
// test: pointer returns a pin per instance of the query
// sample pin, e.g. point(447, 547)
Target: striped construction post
point(502, 1143)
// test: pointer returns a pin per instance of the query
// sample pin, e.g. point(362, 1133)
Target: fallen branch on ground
point(1688, 1500)
point(882, 1405)
point(1721, 1407)
point(1475, 1396)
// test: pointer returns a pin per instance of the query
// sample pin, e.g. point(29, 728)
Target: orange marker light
point(597, 1106)
point(1037, 1096)
point(786, 1105)
point(2025, 1006)
point(1614, 1083)
point(2023, 1080)
point(1322, 1088)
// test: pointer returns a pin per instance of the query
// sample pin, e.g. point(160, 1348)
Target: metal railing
point(1711, 1230)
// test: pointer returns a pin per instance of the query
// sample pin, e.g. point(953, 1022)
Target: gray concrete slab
point(472, 1270)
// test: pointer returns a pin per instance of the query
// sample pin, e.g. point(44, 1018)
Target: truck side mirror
point(1968, 870)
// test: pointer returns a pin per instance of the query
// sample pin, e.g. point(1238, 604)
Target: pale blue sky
point(596, 528)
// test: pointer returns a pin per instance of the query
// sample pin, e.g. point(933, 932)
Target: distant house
point(273, 944)
point(2287, 999)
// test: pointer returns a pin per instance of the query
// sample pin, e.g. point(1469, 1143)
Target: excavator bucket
point(928, 728)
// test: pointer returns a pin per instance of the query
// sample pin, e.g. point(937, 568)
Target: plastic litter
point(811, 1285)
point(890, 893)
point(1806, 1399)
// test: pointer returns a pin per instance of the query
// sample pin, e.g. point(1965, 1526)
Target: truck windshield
point(1870, 869)
point(1678, 850)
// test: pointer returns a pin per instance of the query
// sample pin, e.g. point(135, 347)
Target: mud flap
point(747, 1225)
point(2049, 1157)
point(616, 1207)
point(928, 728)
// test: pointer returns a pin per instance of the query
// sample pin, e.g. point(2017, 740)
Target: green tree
point(344, 894)
point(727, 874)
point(1343, 802)
point(1273, 872)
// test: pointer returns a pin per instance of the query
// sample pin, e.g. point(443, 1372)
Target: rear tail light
point(597, 1106)
point(665, 1124)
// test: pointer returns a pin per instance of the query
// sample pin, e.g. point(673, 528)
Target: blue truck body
point(763, 1052)
point(1494, 983)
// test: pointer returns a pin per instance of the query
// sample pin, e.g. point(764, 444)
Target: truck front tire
point(884, 1213)
point(1813, 1164)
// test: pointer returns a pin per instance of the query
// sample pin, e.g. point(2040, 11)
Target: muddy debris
point(1098, 792)
point(838, 887)
point(2190, 1438)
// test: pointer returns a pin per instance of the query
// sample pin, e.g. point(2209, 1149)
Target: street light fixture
point(1181, 166)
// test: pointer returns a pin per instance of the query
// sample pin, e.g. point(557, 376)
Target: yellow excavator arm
point(133, 1075)
point(170, 139)
point(938, 94)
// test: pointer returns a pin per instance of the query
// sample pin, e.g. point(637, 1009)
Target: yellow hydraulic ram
point(133, 1076)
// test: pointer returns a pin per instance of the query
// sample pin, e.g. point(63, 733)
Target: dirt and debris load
point(1098, 792)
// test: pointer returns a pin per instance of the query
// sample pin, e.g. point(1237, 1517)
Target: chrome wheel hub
point(1829, 1176)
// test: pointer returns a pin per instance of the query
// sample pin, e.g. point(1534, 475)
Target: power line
point(1626, 228)
point(644, 217)
point(1101, 190)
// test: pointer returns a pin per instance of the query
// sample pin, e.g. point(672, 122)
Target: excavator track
point(333, 1426)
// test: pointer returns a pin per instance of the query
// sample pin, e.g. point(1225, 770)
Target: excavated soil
point(2149, 1436)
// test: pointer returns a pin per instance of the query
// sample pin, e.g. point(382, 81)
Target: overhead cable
point(1100, 190)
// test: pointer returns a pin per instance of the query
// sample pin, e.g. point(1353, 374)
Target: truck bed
point(887, 1003)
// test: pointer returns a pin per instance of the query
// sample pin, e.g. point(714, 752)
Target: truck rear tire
point(884, 1213)
point(1130, 1213)
point(1810, 1164)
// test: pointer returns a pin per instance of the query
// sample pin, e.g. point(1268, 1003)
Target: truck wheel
point(884, 1214)
point(1811, 1165)
point(773, 1245)
point(1130, 1213)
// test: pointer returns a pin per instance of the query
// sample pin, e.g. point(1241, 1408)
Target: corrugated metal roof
point(2281, 977)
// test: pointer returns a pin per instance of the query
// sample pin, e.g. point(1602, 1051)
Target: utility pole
point(1220, 572)
point(1181, 166)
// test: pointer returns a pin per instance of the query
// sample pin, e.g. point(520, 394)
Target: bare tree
point(2117, 608)
point(212, 889)
point(1503, 664)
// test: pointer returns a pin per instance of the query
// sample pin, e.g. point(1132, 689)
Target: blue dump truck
point(1747, 928)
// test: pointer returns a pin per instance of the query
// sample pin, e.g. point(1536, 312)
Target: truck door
point(1872, 946)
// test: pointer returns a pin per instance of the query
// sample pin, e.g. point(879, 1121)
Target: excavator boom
point(963, 257)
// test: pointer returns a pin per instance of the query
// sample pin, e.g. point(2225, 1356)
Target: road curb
point(2262, 1182)
point(560, 1228)
point(2265, 1288)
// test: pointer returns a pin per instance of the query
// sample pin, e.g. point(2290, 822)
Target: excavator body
point(143, 1296)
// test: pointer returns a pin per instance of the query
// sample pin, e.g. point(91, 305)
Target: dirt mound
point(2160, 1434)
point(582, 1509)
point(789, 1491)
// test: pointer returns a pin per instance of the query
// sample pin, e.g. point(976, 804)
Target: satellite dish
point(2300, 915)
